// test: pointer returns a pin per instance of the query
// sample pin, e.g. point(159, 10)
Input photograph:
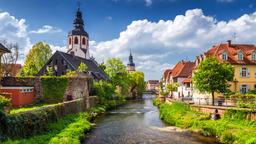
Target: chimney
point(229, 43)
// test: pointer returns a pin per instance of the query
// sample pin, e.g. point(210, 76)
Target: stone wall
point(78, 87)
point(221, 110)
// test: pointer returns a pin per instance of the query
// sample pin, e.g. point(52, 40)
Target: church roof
point(75, 61)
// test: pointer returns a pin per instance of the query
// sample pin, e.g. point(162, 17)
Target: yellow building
point(242, 57)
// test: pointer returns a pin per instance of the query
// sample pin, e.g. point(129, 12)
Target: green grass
point(69, 129)
point(77, 122)
point(29, 107)
point(228, 129)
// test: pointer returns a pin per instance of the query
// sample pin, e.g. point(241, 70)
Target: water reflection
point(138, 123)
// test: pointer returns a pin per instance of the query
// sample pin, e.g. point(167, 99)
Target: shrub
point(35, 121)
point(156, 102)
point(74, 132)
point(4, 102)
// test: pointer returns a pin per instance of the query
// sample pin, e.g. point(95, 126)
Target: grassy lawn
point(29, 107)
point(232, 128)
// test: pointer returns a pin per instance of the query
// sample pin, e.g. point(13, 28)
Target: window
point(224, 56)
point(254, 55)
point(70, 41)
point(83, 41)
point(240, 55)
point(76, 40)
point(244, 89)
point(244, 72)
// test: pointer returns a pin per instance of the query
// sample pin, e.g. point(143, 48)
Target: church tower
point(131, 64)
point(78, 38)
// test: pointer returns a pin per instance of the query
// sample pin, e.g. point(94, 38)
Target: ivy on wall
point(54, 87)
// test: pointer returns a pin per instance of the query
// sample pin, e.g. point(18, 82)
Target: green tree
point(102, 66)
point(82, 68)
point(212, 76)
point(171, 87)
point(36, 58)
point(118, 74)
point(137, 82)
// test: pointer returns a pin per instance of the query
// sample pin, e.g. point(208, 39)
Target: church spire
point(78, 21)
point(131, 64)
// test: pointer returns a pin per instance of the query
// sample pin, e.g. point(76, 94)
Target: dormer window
point(224, 56)
point(254, 55)
point(240, 55)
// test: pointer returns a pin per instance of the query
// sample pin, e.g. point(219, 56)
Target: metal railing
point(225, 102)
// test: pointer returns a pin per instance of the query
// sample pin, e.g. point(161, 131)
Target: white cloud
point(156, 45)
point(58, 48)
point(46, 29)
point(14, 31)
point(148, 2)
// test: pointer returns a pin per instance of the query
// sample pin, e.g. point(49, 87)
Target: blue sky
point(149, 27)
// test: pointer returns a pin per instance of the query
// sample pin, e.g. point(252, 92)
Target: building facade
point(152, 85)
point(242, 57)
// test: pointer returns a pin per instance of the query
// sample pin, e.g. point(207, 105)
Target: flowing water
point(138, 122)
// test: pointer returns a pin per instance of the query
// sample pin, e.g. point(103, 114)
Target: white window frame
point(244, 88)
point(224, 56)
point(240, 55)
point(254, 55)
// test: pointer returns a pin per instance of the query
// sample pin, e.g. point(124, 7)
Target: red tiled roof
point(232, 50)
point(183, 69)
point(188, 79)
point(166, 72)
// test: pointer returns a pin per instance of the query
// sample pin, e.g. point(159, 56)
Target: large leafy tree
point(36, 58)
point(212, 76)
point(137, 82)
point(118, 74)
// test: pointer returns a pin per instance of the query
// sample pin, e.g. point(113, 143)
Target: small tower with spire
point(131, 64)
point(78, 38)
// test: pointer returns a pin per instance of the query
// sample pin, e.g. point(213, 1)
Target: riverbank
point(231, 128)
point(70, 128)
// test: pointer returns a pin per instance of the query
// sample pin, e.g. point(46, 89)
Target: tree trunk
point(212, 98)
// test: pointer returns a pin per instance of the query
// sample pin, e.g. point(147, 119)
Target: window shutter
point(255, 72)
point(240, 72)
point(240, 88)
point(248, 72)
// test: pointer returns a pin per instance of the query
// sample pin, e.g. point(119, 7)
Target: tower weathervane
point(78, 4)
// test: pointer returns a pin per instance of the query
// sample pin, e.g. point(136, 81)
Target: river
point(138, 122)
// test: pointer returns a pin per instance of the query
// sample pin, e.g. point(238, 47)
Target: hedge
point(35, 121)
